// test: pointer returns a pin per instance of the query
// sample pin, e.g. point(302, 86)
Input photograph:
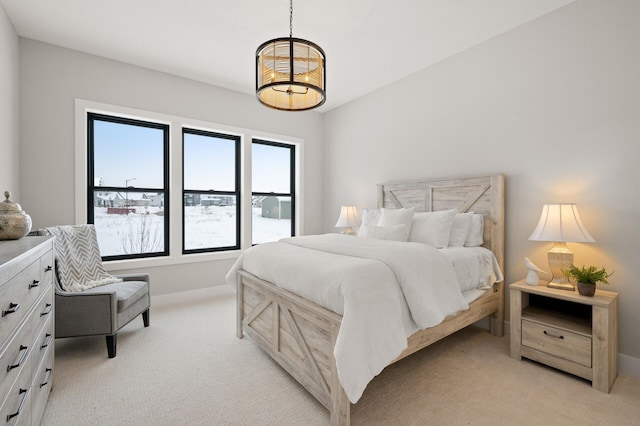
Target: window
point(273, 191)
point(127, 186)
point(164, 190)
point(211, 191)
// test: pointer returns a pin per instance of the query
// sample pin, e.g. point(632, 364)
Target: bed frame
point(300, 335)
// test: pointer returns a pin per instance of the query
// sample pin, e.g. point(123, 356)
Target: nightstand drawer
point(558, 342)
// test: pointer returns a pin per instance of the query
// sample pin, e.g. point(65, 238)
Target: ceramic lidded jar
point(14, 223)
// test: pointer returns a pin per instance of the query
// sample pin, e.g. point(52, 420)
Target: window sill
point(121, 265)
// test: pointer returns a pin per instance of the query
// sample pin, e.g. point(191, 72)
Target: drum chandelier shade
point(290, 72)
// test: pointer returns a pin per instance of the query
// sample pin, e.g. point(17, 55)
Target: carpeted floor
point(188, 368)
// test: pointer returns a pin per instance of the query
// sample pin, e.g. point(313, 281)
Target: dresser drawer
point(16, 409)
point(15, 356)
point(558, 342)
point(47, 268)
point(41, 386)
point(16, 297)
point(42, 344)
point(43, 311)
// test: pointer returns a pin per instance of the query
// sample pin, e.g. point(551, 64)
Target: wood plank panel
point(559, 363)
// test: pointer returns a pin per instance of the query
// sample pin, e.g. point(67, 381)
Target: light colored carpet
point(189, 368)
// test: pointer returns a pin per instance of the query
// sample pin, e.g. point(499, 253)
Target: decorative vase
point(14, 223)
point(586, 289)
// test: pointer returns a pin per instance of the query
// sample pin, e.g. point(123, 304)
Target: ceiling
point(368, 43)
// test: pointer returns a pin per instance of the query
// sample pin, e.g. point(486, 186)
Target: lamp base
point(561, 286)
point(560, 257)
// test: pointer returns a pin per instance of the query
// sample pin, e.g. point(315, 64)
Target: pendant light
point(290, 72)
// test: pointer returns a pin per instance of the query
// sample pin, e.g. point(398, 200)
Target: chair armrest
point(85, 314)
point(134, 277)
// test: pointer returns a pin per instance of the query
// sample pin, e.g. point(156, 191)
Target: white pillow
point(432, 228)
point(475, 236)
point(390, 217)
point(369, 217)
point(394, 233)
point(459, 229)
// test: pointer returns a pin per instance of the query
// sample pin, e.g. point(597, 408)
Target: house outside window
point(128, 181)
point(273, 172)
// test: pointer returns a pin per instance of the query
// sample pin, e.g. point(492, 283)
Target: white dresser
point(26, 329)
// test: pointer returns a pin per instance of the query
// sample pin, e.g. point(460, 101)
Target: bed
point(302, 335)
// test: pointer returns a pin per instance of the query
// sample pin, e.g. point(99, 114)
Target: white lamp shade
point(348, 217)
point(561, 222)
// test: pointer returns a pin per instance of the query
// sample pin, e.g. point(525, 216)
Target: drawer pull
point(557, 336)
point(49, 371)
point(47, 341)
point(13, 307)
point(35, 283)
point(47, 311)
point(24, 398)
point(22, 358)
point(48, 268)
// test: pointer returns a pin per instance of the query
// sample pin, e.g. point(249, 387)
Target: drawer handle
point(557, 336)
point(47, 311)
point(35, 283)
point(49, 372)
point(47, 341)
point(13, 307)
point(22, 358)
point(24, 398)
point(48, 268)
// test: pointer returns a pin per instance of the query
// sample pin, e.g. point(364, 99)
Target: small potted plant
point(587, 277)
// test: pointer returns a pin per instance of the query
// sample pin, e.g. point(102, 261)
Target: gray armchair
point(99, 310)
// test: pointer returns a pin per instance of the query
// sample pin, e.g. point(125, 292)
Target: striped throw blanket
point(78, 262)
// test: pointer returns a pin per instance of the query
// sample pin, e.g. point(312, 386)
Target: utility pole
point(126, 193)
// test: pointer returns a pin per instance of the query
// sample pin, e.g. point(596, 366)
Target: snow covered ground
point(205, 226)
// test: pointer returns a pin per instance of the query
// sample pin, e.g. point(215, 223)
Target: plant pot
point(586, 289)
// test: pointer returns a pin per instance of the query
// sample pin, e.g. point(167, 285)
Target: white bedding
point(384, 290)
point(476, 267)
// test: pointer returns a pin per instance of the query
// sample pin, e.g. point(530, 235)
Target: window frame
point(91, 117)
point(292, 181)
point(237, 193)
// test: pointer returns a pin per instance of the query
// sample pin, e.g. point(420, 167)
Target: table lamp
point(560, 223)
point(348, 219)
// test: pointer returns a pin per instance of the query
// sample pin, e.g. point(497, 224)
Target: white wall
point(51, 78)
point(8, 108)
point(555, 105)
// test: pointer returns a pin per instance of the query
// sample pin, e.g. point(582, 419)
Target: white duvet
point(384, 290)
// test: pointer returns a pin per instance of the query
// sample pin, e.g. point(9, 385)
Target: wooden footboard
point(301, 335)
point(296, 333)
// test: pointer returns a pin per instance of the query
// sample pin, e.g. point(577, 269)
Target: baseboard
point(626, 364)
point(190, 295)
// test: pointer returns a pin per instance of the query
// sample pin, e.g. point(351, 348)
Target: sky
point(125, 152)
point(130, 155)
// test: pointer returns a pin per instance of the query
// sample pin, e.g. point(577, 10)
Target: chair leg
point(111, 345)
point(145, 318)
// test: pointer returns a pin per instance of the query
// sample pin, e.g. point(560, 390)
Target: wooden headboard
point(478, 194)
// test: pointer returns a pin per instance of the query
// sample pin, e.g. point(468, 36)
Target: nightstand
point(567, 331)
